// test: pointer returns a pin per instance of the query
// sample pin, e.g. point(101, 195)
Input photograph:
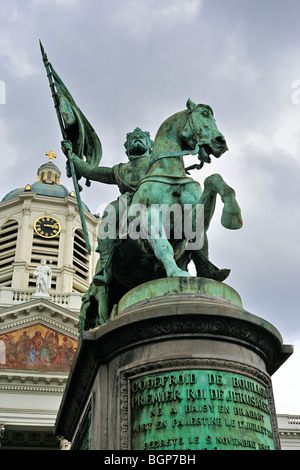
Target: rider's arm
point(101, 173)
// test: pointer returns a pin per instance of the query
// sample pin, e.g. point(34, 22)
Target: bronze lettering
point(196, 394)
point(236, 442)
point(199, 409)
point(215, 379)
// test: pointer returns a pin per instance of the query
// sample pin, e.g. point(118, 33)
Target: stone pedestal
point(181, 365)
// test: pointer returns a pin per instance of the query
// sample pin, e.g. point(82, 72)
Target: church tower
point(45, 269)
point(41, 220)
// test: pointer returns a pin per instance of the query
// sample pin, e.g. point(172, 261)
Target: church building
point(45, 269)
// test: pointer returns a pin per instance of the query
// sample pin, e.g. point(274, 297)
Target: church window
point(81, 261)
point(8, 243)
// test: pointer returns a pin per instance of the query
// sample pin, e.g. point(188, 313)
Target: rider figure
point(126, 176)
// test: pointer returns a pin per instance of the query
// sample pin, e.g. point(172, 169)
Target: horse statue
point(163, 245)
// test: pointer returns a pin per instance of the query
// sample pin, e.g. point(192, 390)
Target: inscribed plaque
point(199, 409)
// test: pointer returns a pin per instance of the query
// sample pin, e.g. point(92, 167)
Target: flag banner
point(76, 129)
point(85, 142)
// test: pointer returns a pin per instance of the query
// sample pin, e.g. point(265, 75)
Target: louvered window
point(81, 261)
point(8, 243)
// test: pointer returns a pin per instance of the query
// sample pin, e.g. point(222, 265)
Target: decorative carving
point(64, 444)
point(239, 331)
point(26, 211)
point(43, 275)
point(71, 216)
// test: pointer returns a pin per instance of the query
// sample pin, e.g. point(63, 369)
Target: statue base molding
point(180, 366)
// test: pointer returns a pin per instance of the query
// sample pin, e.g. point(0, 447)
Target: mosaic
point(36, 348)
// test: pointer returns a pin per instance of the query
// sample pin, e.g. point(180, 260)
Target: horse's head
point(199, 127)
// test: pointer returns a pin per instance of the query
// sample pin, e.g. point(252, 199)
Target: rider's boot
point(104, 274)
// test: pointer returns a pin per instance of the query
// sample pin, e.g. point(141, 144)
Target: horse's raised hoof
point(231, 214)
point(231, 220)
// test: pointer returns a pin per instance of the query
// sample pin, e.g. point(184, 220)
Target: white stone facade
point(289, 431)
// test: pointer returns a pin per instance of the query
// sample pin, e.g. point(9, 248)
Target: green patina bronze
point(149, 180)
point(186, 286)
point(155, 175)
point(199, 410)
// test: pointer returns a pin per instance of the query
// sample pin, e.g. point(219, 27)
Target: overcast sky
point(132, 63)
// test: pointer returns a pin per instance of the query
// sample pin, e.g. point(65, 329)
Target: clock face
point(47, 227)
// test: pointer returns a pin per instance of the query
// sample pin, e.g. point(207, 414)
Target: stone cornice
point(39, 311)
point(32, 381)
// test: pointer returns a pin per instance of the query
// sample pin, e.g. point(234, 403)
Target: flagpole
point(71, 164)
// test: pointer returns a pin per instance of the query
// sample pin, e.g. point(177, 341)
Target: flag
point(76, 128)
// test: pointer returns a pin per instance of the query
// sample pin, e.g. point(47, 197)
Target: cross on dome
point(50, 155)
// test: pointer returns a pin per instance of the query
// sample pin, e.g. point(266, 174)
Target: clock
point(47, 227)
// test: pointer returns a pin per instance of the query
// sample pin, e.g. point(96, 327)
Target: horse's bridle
point(197, 150)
